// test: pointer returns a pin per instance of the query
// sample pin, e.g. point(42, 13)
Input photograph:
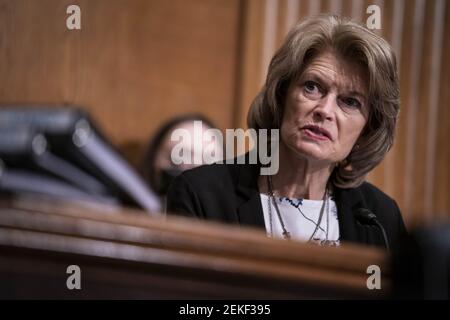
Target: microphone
point(368, 217)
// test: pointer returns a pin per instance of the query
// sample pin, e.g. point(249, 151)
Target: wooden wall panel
point(251, 67)
point(440, 149)
point(416, 171)
point(133, 64)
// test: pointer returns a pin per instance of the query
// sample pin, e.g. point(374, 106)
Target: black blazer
point(229, 193)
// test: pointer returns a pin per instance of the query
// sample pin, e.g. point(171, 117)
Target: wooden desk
point(126, 254)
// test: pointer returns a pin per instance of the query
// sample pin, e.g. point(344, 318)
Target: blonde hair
point(351, 41)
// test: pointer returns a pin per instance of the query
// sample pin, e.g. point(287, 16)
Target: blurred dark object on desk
point(421, 265)
point(59, 151)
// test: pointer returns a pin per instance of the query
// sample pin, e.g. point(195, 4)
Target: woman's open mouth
point(317, 132)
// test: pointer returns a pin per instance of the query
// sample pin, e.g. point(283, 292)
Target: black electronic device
point(65, 144)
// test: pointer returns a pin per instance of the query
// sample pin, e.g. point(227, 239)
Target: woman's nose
point(325, 107)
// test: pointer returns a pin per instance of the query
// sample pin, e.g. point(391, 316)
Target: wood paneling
point(133, 65)
point(251, 70)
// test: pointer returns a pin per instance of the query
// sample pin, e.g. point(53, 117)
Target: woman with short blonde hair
point(353, 42)
point(332, 92)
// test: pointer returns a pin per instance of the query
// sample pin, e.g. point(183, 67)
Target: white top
point(300, 217)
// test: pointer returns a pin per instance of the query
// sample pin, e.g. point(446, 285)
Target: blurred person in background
point(158, 168)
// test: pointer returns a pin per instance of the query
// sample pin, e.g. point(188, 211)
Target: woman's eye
point(351, 102)
point(312, 88)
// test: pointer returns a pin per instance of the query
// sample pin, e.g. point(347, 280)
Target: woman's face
point(165, 169)
point(326, 109)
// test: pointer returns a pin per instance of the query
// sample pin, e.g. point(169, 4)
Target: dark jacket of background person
point(229, 193)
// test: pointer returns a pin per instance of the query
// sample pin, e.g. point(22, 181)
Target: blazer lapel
point(249, 208)
point(250, 212)
point(348, 201)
